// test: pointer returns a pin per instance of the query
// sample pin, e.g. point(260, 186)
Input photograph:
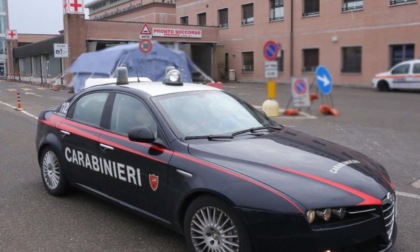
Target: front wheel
point(213, 225)
point(383, 86)
point(52, 173)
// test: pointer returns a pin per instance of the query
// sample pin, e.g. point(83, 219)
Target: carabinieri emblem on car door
point(154, 181)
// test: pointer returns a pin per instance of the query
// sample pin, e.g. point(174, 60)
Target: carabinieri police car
point(206, 164)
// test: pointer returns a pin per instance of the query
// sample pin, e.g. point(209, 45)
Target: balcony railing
point(309, 14)
point(352, 5)
point(395, 2)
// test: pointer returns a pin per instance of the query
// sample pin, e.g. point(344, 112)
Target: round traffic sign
point(271, 50)
point(300, 87)
point(145, 45)
point(323, 80)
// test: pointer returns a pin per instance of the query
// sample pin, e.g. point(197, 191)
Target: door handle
point(65, 133)
point(106, 147)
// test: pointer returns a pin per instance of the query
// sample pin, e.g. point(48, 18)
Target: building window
point(247, 14)
point(310, 7)
point(2, 46)
point(349, 5)
point(201, 19)
point(184, 20)
point(276, 9)
point(400, 53)
point(352, 59)
point(223, 18)
point(98, 5)
point(395, 2)
point(310, 60)
point(3, 24)
point(3, 6)
point(248, 61)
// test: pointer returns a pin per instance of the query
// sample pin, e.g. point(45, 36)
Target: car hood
point(314, 172)
point(379, 75)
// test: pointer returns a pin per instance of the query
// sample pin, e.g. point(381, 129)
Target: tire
point(52, 173)
point(211, 224)
point(383, 86)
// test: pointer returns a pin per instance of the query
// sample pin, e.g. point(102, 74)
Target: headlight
point(310, 216)
point(341, 212)
point(325, 215)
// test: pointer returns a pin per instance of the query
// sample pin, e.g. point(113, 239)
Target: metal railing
point(395, 2)
point(352, 5)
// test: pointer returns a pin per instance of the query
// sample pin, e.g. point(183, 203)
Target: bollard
point(271, 106)
point(19, 105)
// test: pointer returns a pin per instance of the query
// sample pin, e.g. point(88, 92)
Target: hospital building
point(354, 39)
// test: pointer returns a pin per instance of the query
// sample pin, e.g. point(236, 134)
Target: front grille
point(388, 209)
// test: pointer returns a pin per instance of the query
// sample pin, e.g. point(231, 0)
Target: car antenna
point(138, 78)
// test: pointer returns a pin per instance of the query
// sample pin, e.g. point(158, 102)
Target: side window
point(416, 68)
point(129, 112)
point(402, 69)
point(89, 108)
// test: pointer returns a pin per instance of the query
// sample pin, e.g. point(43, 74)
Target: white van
point(405, 75)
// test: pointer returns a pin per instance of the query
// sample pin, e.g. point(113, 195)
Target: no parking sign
point(300, 92)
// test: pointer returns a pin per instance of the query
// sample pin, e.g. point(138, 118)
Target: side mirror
point(141, 134)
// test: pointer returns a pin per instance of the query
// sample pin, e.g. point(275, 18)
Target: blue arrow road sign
point(323, 80)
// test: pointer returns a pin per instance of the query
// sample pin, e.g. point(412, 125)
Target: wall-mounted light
point(334, 39)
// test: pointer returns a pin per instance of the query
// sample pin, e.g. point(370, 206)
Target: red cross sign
point(11, 34)
point(76, 6)
point(65, 10)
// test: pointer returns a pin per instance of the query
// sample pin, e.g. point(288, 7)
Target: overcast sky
point(36, 16)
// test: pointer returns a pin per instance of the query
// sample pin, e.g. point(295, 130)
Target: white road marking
point(23, 111)
point(408, 195)
point(30, 93)
point(7, 105)
point(29, 114)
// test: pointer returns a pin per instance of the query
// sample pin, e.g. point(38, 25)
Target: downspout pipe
point(291, 39)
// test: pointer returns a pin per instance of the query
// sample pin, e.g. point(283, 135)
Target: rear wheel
point(383, 86)
point(52, 173)
point(213, 225)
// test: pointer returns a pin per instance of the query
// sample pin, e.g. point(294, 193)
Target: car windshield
point(210, 113)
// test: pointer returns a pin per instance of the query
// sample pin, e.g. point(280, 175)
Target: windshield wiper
point(250, 130)
point(255, 129)
point(209, 137)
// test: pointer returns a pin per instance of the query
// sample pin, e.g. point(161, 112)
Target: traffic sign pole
point(270, 51)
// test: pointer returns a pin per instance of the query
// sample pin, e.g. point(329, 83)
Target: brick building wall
point(373, 29)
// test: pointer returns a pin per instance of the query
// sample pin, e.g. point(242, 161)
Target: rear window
point(89, 109)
